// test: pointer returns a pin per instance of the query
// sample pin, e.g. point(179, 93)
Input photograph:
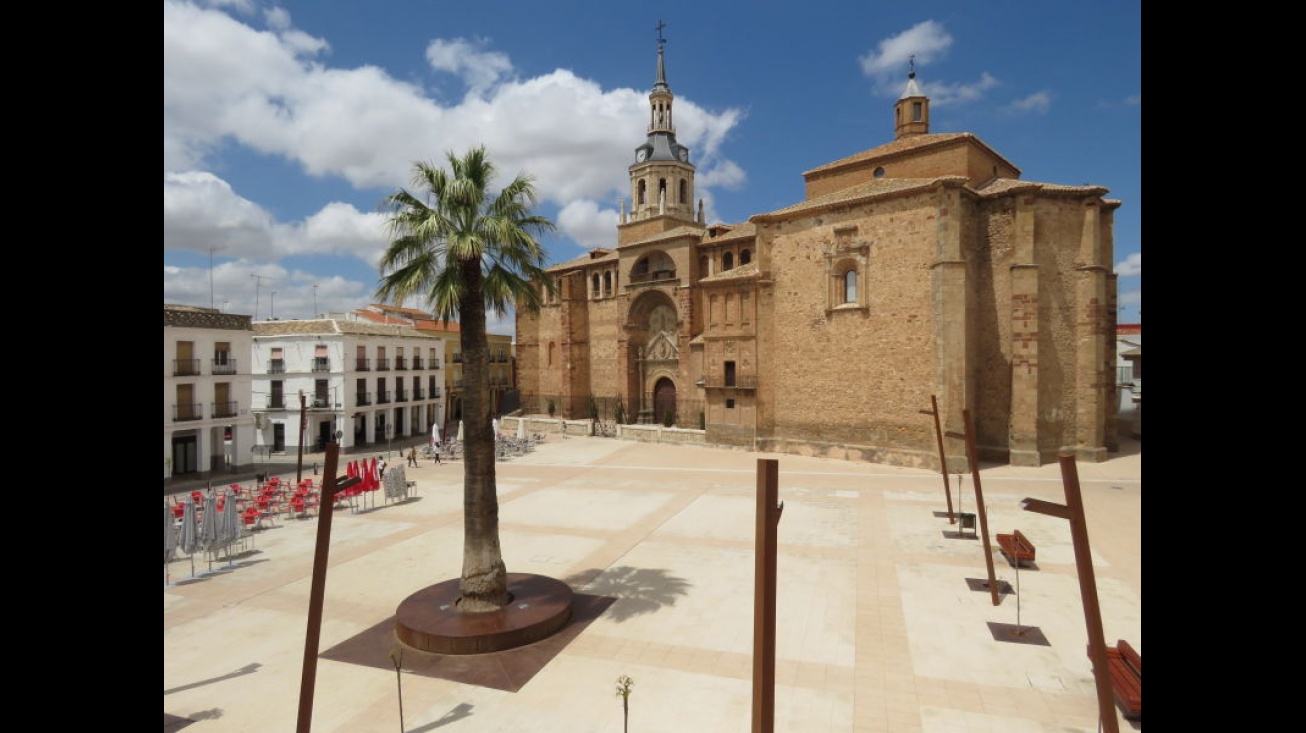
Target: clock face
point(640, 155)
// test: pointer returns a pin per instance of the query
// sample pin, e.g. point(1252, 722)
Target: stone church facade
point(919, 271)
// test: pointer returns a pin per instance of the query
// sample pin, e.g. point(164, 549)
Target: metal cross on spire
point(911, 67)
point(660, 26)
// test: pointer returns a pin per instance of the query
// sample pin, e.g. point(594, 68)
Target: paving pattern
point(884, 619)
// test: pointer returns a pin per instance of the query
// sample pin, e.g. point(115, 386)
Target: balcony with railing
point(500, 358)
point(457, 384)
point(362, 365)
point(458, 358)
point(383, 397)
point(401, 364)
point(363, 398)
point(224, 364)
point(742, 381)
point(276, 366)
point(224, 409)
point(418, 363)
point(650, 278)
point(435, 393)
point(185, 367)
point(323, 403)
point(401, 396)
point(277, 402)
point(383, 364)
point(187, 411)
point(435, 365)
point(321, 363)
point(418, 395)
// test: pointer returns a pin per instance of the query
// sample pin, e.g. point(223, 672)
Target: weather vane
point(661, 25)
point(911, 67)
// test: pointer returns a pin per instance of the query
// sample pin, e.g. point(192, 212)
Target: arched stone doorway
point(664, 401)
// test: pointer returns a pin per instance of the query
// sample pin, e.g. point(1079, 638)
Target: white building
point(363, 384)
point(1129, 381)
point(207, 424)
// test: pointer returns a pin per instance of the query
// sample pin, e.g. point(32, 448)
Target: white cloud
point(479, 70)
point(269, 91)
point(923, 43)
point(927, 41)
point(1037, 103)
point(1131, 266)
point(590, 226)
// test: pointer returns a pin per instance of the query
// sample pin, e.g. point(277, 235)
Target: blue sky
point(285, 124)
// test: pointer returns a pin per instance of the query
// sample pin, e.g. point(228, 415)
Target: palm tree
point(465, 251)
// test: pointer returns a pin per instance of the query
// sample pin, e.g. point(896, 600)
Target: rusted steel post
point(768, 518)
point(979, 507)
point(330, 485)
point(943, 458)
point(1088, 594)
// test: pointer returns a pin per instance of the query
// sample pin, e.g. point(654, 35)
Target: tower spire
point(911, 113)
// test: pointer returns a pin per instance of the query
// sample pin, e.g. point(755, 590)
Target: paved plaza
point(883, 621)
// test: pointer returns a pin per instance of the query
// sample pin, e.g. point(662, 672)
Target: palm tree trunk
point(484, 582)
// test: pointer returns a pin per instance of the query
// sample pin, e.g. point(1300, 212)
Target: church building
point(920, 271)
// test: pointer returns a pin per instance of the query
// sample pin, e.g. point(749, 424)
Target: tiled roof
point(676, 233)
point(878, 187)
point(907, 144)
point(745, 230)
point(743, 272)
point(333, 327)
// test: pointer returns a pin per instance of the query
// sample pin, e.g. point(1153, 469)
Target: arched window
point(850, 286)
point(745, 257)
point(595, 286)
point(727, 261)
point(607, 284)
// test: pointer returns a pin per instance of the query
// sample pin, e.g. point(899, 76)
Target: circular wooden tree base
point(429, 619)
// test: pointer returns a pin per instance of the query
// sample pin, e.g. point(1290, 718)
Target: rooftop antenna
point(315, 301)
point(257, 279)
point(911, 67)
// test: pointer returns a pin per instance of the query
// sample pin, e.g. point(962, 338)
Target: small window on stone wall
point(847, 263)
point(745, 257)
point(727, 261)
point(730, 404)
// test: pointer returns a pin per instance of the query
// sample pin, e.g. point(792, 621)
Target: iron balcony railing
point(187, 411)
point(277, 402)
point(650, 277)
point(401, 396)
point(276, 366)
point(435, 393)
point(321, 364)
point(383, 397)
point(383, 365)
point(418, 394)
point(362, 365)
point(363, 398)
point(323, 403)
point(458, 358)
point(417, 363)
point(401, 363)
point(224, 365)
point(224, 409)
point(185, 367)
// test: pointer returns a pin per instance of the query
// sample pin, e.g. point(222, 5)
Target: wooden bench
point(1016, 547)
point(1125, 668)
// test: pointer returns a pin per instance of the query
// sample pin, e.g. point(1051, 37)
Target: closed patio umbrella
point(190, 531)
point(169, 539)
point(209, 527)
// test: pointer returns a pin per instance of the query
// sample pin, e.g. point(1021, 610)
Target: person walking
point(412, 457)
point(380, 467)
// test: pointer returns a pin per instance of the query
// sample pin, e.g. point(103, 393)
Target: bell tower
point(911, 114)
point(661, 178)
